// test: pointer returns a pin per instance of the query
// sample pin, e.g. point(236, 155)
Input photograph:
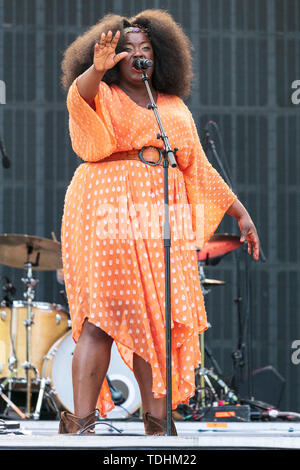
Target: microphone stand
point(210, 145)
point(238, 356)
point(169, 155)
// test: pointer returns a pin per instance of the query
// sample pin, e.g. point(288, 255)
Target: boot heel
point(157, 427)
point(71, 424)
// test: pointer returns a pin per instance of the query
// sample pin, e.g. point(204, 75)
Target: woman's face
point(137, 45)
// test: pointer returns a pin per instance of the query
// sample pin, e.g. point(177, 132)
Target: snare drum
point(50, 322)
point(57, 368)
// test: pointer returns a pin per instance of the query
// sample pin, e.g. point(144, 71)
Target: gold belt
point(149, 155)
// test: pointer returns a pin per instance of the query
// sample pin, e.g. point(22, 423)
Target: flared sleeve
point(208, 194)
point(91, 131)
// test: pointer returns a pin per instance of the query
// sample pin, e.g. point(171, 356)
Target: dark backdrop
point(246, 57)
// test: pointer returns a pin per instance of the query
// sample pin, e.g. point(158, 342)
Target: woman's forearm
point(88, 84)
point(247, 227)
point(104, 59)
point(237, 210)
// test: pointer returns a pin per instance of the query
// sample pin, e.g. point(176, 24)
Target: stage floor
point(129, 435)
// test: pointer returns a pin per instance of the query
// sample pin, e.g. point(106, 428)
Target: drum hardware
point(65, 299)
point(17, 250)
point(205, 282)
point(238, 356)
point(50, 322)
point(203, 378)
point(6, 302)
point(8, 287)
point(3, 315)
point(212, 282)
point(218, 246)
point(203, 372)
point(12, 360)
point(29, 294)
point(201, 391)
point(7, 398)
point(213, 251)
point(29, 253)
point(43, 383)
point(206, 393)
point(9, 290)
point(12, 405)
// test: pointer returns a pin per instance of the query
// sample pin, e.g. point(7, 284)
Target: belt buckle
point(147, 162)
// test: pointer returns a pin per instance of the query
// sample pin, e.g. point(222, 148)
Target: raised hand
point(105, 56)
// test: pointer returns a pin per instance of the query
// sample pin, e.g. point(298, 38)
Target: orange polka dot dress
point(112, 233)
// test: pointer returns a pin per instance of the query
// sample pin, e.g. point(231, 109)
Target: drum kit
point(36, 344)
point(210, 387)
point(28, 328)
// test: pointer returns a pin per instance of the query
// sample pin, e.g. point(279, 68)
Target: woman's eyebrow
point(131, 43)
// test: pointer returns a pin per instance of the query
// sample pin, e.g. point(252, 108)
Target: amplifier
point(224, 413)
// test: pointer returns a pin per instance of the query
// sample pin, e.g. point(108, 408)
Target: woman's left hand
point(249, 234)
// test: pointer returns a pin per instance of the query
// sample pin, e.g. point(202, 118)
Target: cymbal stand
point(202, 377)
point(30, 283)
point(239, 355)
point(205, 376)
point(43, 383)
point(209, 378)
point(7, 399)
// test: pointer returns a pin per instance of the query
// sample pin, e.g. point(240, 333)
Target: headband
point(135, 28)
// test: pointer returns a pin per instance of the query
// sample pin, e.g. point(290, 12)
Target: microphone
point(207, 132)
point(142, 64)
point(5, 159)
point(208, 124)
point(116, 394)
point(8, 287)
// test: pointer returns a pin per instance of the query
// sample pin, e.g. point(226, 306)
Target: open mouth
point(136, 70)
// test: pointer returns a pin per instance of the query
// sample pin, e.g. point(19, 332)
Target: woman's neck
point(138, 93)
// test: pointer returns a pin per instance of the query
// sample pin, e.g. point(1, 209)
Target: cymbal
point(42, 253)
point(218, 245)
point(212, 282)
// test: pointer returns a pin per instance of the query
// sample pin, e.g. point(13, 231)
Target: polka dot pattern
point(112, 234)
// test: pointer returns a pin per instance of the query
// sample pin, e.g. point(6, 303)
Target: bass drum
point(57, 368)
point(49, 323)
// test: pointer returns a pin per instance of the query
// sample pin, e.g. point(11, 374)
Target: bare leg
point(89, 367)
point(143, 374)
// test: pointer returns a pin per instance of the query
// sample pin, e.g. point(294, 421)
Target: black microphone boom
point(142, 64)
point(5, 159)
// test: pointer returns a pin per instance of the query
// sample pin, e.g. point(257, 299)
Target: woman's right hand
point(105, 56)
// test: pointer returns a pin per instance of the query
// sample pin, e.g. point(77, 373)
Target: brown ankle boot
point(156, 427)
point(71, 424)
